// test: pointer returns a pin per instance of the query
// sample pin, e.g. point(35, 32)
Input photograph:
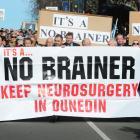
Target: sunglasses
point(14, 37)
point(135, 44)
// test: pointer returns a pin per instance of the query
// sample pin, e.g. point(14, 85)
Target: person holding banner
point(120, 40)
point(112, 43)
point(86, 42)
point(138, 89)
point(58, 41)
point(27, 42)
point(49, 42)
point(69, 40)
point(1, 41)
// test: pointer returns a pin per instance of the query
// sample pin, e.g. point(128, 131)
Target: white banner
point(79, 35)
point(37, 82)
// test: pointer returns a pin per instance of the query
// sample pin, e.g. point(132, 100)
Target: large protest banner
point(134, 26)
point(96, 28)
point(103, 82)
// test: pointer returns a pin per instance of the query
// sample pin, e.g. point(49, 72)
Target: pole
point(69, 1)
point(114, 29)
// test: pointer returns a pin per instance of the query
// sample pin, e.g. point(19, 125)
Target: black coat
point(73, 44)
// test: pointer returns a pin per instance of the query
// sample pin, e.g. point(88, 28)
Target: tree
point(138, 4)
point(41, 4)
point(91, 6)
point(134, 4)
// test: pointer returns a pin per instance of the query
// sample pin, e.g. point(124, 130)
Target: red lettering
point(66, 90)
point(75, 90)
point(72, 105)
point(88, 106)
point(64, 106)
point(41, 90)
point(126, 90)
point(55, 105)
point(92, 89)
point(27, 90)
point(3, 92)
point(110, 90)
point(101, 90)
point(12, 91)
point(102, 105)
point(118, 89)
point(22, 52)
point(135, 87)
point(19, 91)
point(57, 91)
point(40, 105)
point(83, 89)
point(80, 106)
point(50, 89)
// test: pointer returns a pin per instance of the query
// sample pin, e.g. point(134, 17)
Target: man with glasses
point(69, 40)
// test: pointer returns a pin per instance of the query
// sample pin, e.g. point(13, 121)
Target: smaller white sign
point(52, 8)
point(97, 37)
point(2, 14)
point(69, 21)
point(136, 29)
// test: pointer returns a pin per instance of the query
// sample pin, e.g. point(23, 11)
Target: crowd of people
point(28, 38)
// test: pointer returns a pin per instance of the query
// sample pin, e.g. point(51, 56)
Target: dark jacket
point(73, 44)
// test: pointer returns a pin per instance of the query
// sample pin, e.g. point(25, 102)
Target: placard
point(83, 26)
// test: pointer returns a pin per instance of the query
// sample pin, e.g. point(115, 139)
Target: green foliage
point(91, 5)
point(129, 3)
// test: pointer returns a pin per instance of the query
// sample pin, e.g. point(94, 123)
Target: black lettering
point(105, 38)
point(63, 33)
point(89, 67)
point(52, 33)
point(62, 67)
point(43, 32)
point(78, 37)
point(113, 67)
point(137, 29)
point(70, 22)
point(22, 68)
point(78, 61)
point(126, 67)
point(55, 20)
point(61, 21)
point(47, 68)
point(102, 67)
point(10, 68)
point(98, 38)
point(83, 24)
point(91, 37)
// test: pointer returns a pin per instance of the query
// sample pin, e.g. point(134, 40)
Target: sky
point(16, 11)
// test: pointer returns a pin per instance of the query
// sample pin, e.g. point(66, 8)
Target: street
point(70, 128)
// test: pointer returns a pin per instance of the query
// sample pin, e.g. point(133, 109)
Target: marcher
point(120, 40)
point(86, 42)
point(69, 40)
point(58, 40)
point(1, 41)
point(27, 42)
point(49, 42)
